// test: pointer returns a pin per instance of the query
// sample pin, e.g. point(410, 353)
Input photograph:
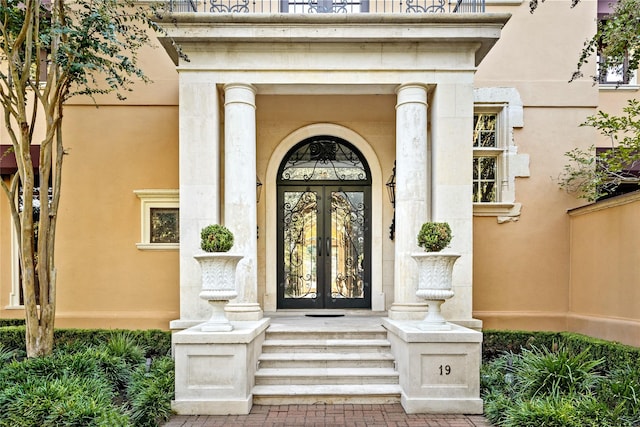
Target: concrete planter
point(435, 270)
point(218, 286)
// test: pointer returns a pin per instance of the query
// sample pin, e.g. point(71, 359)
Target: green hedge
point(616, 355)
point(11, 322)
point(496, 343)
point(154, 341)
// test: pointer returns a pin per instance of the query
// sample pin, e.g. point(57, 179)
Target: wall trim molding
point(623, 330)
point(623, 199)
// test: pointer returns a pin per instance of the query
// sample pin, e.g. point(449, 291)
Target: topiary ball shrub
point(434, 236)
point(216, 238)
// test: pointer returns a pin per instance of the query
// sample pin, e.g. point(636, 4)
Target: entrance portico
point(427, 62)
point(419, 70)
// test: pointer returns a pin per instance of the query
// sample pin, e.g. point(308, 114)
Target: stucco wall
point(521, 269)
point(104, 280)
point(604, 297)
point(103, 277)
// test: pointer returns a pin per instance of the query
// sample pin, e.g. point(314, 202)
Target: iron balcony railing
point(327, 6)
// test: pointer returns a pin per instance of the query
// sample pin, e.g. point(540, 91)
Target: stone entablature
point(474, 33)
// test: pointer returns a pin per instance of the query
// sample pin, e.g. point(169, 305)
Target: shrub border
point(498, 342)
point(155, 342)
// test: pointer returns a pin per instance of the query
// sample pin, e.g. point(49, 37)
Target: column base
point(237, 312)
point(408, 311)
point(216, 327)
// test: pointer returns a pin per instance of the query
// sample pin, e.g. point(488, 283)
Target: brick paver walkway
point(328, 415)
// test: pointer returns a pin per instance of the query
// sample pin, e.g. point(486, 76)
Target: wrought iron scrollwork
point(348, 211)
point(300, 212)
point(323, 159)
point(425, 6)
point(222, 6)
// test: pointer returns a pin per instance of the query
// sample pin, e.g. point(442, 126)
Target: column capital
point(410, 93)
point(240, 93)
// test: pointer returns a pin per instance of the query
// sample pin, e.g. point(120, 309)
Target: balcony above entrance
point(327, 6)
point(356, 41)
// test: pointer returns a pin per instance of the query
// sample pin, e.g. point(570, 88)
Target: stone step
point(326, 334)
point(326, 345)
point(327, 394)
point(317, 376)
point(326, 360)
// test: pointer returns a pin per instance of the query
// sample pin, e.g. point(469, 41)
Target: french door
point(324, 246)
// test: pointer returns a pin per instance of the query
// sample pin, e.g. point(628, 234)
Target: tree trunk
point(39, 339)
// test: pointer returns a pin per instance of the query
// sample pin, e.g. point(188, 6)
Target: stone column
point(199, 185)
point(240, 195)
point(412, 183)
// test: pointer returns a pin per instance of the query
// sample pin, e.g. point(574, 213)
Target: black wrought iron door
point(324, 246)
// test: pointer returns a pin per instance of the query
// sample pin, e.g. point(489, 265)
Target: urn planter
point(435, 271)
point(218, 286)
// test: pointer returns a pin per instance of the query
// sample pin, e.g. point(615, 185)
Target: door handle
point(319, 246)
point(328, 248)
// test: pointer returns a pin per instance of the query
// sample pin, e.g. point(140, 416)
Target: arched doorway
point(324, 232)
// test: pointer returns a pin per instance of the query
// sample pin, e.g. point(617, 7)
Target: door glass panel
point(347, 244)
point(300, 244)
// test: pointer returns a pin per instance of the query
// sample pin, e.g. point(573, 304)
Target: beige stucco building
point(471, 113)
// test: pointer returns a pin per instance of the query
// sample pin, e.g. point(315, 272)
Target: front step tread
point(336, 343)
point(328, 390)
point(279, 346)
point(326, 372)
point(325, 356)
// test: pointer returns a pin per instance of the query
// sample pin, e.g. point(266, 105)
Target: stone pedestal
point(439, 370)
point(215, 372)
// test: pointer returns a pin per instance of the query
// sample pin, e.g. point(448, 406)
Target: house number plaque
point(445, 370)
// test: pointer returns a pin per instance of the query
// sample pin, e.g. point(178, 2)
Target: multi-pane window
point(618, 74)
point(498, 111)
point(486, 153)
point(160, 219)
point(612, 70)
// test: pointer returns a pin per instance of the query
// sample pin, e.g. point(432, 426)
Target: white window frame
point(498, 151)
point(606, 85)
point(631, 85)
point(150, 199)
point(14, 296)
point(507, 104)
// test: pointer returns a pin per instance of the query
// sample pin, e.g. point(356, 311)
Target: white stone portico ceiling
point(281, 51)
